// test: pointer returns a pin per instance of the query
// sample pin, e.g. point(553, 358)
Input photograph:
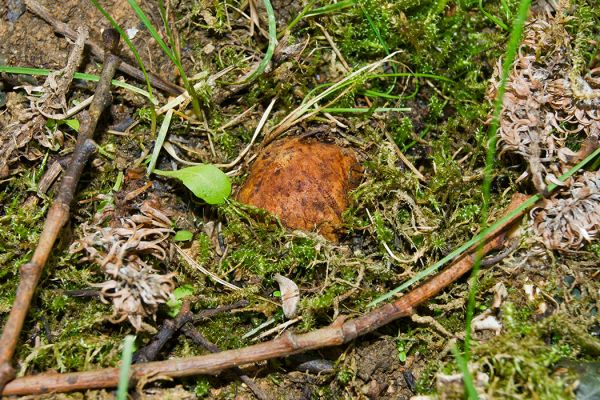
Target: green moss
point(21, 228)
point(202, 388)
point(426, 380)
point(204, 248)
point(77, 353)
point(344, 376)
point(529, 356)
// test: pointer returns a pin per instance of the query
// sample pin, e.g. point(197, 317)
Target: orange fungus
point(304, 182)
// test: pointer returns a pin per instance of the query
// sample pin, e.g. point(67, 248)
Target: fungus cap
point(304, 182)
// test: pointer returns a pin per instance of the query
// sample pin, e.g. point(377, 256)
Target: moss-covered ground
point(548, 336)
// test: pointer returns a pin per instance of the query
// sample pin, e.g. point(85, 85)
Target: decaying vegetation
point(551, 96)
point(343, 72)
point(135, 288)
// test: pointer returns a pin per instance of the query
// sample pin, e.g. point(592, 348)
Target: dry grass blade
point(257, 131)
point(199, 267)
point(304, 110)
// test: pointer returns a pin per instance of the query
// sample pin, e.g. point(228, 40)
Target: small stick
point(58, 214)
point(171, 327)
point(334, 47)
point(336, 334)
point(167, 331)
point(65, 30)
point(200, 340)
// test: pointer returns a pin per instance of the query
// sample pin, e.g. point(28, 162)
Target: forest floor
point(541, 338)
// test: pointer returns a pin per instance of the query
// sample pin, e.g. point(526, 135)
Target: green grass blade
point(138, 59)
point(364, 110)
point(169, 52)
point(163, 16)
point(411, 75)
point(126, 358)
point(340, 5)
point(511, 53)
point(307, 12)
point(153, 32)
point(272, 43)
point(373, 93)
point(128, 41)
point(385, 46)
point(467, 377)
point(78, 75)
point(160, 140)
point(491, 17)
point(298, 18)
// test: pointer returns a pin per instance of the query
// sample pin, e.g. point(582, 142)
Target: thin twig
point(171, 327)
point(402, 157)
point(206, 314)
point(334, 47)
point(65, 30)
point(338, 333)
point(58, 214)
point(168, 329)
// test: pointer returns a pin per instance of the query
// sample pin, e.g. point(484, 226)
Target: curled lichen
point(548, 101)
point(572, 218)
point(135, 288)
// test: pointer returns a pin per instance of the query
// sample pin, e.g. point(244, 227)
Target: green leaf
point(183, 291)
point(72, 123)
point(183, 236)
point(175, 302)
point(205, 180)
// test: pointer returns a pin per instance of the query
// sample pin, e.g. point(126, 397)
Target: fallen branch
point(338, 333)
point(65, 30)
point(58, 214)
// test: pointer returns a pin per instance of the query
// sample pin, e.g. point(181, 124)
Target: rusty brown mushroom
point(304, 182)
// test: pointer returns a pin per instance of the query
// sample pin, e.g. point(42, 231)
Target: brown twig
point(65, 30)
point(200, 340)
point(58, 214)
point(170, 328)
point(167, 331)
point(338, 333)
